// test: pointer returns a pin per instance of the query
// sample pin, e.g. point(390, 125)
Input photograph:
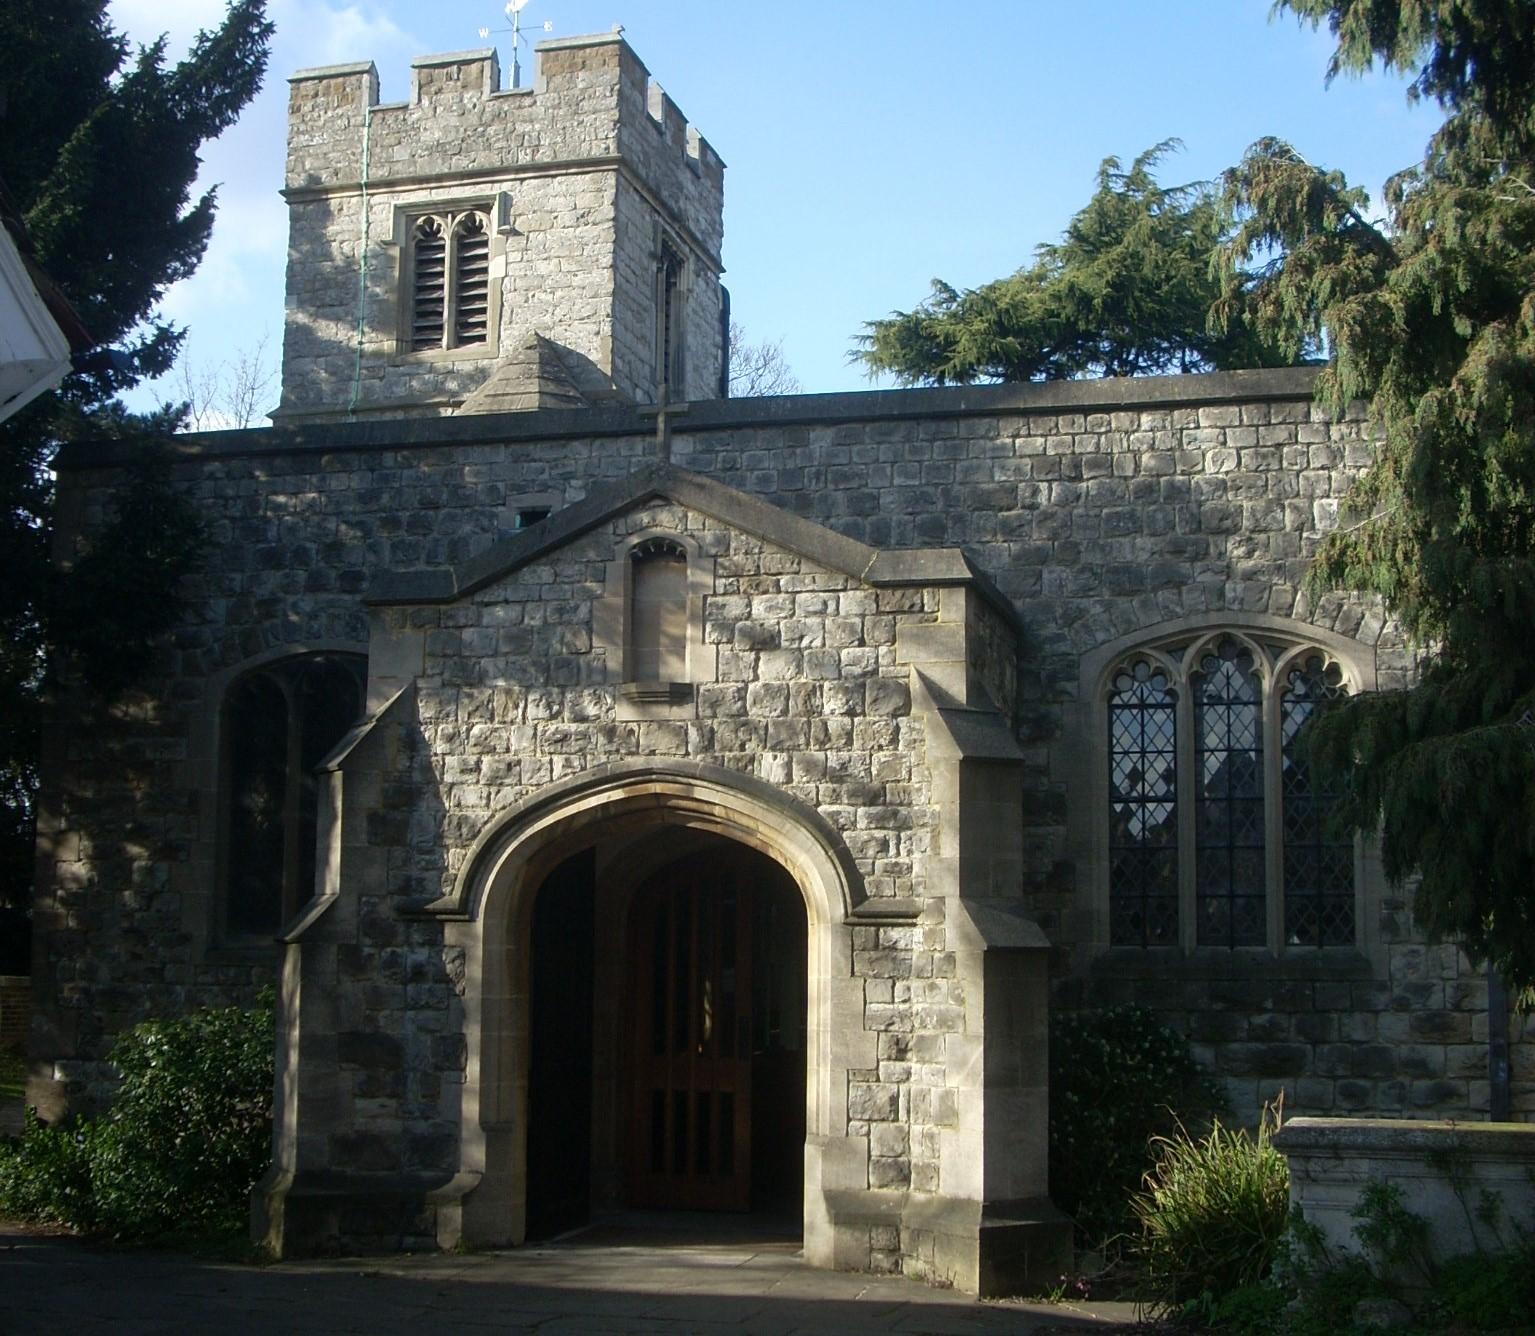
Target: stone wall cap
point(332, 71)
point(581, 39)
point(1408, 1138)
point(713, 415)
point(454, 58)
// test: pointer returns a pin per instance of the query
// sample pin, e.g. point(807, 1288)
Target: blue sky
point(870, 147)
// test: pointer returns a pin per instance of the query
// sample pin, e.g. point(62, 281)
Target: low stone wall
point(1446, 1172)
point(15, 1011)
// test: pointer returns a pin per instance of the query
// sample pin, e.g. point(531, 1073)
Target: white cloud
point(179, 20)
point(309, 32)
point(313, 32)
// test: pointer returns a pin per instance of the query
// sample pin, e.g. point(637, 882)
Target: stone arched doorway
point(611, 847)
point(666, 1031)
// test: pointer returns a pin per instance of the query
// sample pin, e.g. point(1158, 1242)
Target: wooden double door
point(717, 1058)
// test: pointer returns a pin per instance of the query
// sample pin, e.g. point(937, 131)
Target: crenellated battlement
point(598, 208)
point(592, 97)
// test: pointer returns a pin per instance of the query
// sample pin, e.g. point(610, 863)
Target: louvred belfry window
point(450, 281)
point(471, 279)
point(1217, 830)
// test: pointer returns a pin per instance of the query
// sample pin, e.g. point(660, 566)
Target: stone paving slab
point(589, 1284)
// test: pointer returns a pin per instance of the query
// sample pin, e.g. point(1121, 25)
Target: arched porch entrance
point(667, 1049)
point(651, 967)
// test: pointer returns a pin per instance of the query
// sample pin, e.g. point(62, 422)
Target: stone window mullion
point(1273, 815)
point(1188, 936)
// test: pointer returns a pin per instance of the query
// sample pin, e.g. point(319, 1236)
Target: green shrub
point(1118, 1078)
point(45, 1173)
point(1212, 1216)
point(1393, 1284)
point(1487, 1293)
point(182, 1146)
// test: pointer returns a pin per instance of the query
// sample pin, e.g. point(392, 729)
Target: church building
point(644, 798)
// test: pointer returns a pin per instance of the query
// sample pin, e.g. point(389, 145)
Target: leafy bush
point(45, 1174)
point(1212, 1216)
point(1118, 1078)
point(1393, 1284)
point(180, 1149)
point(1495, 1293)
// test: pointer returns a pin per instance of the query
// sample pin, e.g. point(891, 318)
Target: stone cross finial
point(663, 410)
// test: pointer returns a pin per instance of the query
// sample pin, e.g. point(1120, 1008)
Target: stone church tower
point(709, 817)
point(480, 249)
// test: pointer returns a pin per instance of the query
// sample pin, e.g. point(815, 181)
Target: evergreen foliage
point(181, 1148)
point(98, 154)
point(1118, 1079)
point(1126, 292)
point(1430, 318)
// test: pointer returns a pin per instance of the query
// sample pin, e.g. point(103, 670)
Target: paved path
point(602, 1281)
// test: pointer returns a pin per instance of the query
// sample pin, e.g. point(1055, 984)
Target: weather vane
point(513, 11)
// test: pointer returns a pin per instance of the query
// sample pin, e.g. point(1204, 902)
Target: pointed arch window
point(449, 281)
point(658, 612)
point(279, 721)
point(1217, 830)
point(670, 307)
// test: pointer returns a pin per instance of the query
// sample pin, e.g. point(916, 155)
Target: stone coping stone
point(1125, 393)
point(1409, 1138)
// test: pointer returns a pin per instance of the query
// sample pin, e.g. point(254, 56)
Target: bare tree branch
point(231, 394)
point(758, 369)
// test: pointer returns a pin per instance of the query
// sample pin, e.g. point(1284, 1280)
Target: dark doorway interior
point(778, 1046)
point(560, 1066)
point(717, 1067)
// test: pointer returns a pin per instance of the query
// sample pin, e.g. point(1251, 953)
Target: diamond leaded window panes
point(1230, 881)
point(1318, 868)
point(1143, 807)
point(1217, 833)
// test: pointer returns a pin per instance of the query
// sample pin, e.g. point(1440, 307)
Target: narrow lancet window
point(429, 289)
point(471, 280)
point(1230, 873)
point(1318, 868)
point(280, 721)
point(669, 325)
point(658, 612)
point(1143, 811)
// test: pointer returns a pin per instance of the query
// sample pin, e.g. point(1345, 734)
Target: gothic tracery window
point(279, 722)
point(1143, 805)
point(1217, 834)
point(449, 289)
